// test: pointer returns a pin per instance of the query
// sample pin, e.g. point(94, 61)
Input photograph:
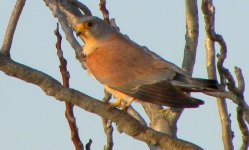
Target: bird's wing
point(125, 66)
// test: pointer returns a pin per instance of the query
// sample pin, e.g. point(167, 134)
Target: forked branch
point(234, 93)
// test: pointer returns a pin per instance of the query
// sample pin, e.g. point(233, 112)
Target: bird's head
point(93, 28)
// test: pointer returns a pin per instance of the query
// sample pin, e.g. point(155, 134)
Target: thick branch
point(124, 121)
point(7, 42)
point(162, 120)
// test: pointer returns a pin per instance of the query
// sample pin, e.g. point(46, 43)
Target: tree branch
point(67, 15)
point(236, 94)
point(125, 122)
point(243, 129)
point(7, 42)
point(107, 124)
point(105, 12)
point(88, 145)
point(82, 7)
point(160, 119)
point(191, 37)
point(69, 107)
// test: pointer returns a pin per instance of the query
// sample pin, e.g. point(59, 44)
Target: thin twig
point(88, 145)
point(82, 7)
point(240, 79)
point(243, 129)
point(65, 18)
point(69, 107)
point(105, 12)
point(8, 38)
point(107, 124)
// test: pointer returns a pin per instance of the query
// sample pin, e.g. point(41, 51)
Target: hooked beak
point(79, 29)
point(78, 33)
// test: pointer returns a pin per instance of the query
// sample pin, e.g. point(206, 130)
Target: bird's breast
point(109, 67)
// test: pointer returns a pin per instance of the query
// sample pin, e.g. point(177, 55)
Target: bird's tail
point(189, 84)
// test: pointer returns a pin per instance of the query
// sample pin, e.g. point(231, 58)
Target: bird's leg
point(128, 103)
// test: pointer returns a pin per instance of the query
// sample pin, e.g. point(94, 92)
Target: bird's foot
point(124, 105)
point(127, 105)
point(117, 104)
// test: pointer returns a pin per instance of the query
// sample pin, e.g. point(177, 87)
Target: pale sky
point(31, 120)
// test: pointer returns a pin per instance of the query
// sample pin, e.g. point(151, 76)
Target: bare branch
point(7, 42)
point(240, 79)
point(105, 12)
point(88, 145)
point(235, 93)
point(243, 129)
point(124, 121)
point(71, 14)
point(131, 111)
point(108, 131)
point(69, 107)
point(107, 124)
point(191, 37)
point(82, 7)
point(160, 119)
point(209, 11)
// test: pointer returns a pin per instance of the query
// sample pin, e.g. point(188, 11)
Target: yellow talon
point(124, 105)
point(128, 103)
point(116, 104)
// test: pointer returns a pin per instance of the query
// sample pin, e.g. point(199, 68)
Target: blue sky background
point(31, 120)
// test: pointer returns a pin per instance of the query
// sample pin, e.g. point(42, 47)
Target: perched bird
point(132, 72)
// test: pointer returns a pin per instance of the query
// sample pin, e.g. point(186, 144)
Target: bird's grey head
point(91, 27)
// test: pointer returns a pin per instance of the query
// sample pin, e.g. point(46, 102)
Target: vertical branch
point(243, 129)
point(69, 107)
point(107, 124)
point(162, 120)
point(192, 34)
point(7, 42)
point(105, 12)
point(88, 145)
point(209, 11)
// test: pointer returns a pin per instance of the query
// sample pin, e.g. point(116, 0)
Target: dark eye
point(89, 24)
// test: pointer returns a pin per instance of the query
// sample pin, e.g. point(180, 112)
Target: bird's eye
point(89, 24)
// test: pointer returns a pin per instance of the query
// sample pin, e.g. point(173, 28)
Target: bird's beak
point(79, 29)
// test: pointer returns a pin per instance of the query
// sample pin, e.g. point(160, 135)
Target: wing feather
point(161, 93)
